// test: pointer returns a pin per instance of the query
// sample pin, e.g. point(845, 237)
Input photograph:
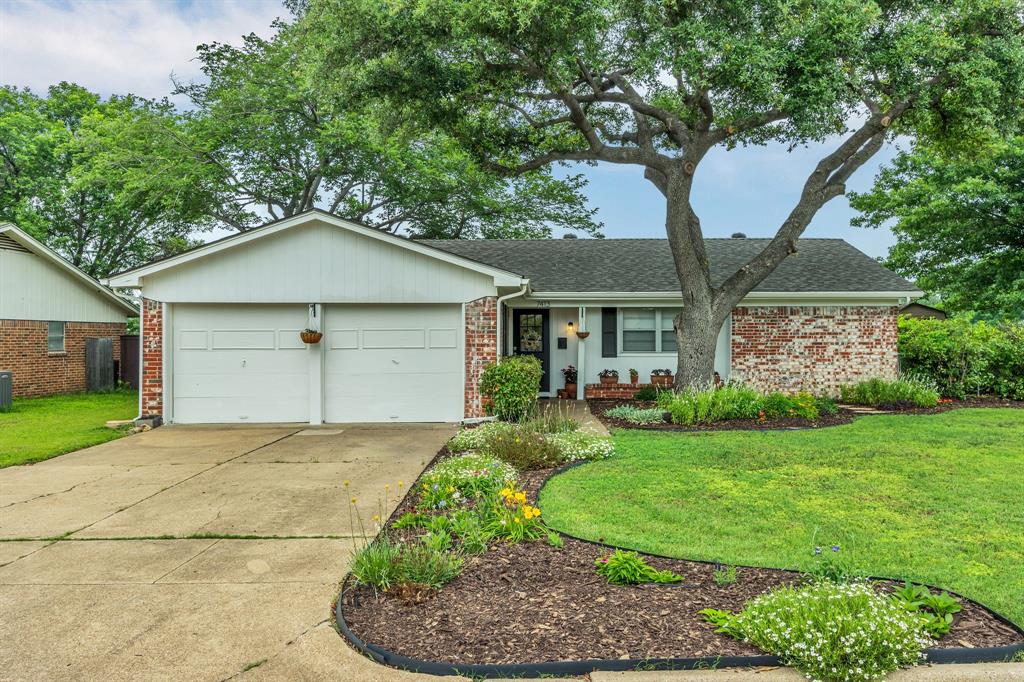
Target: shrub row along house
point(407, 326)
point(48, 309)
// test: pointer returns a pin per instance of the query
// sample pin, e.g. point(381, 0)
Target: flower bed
point(546, 600)
point(600, 408)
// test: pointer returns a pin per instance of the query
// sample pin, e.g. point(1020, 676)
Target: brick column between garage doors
point(152, 384)
point(481, 349)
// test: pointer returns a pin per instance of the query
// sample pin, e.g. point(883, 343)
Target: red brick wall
point(612, 391)
point(152, 386)
point(813, 348)
point(38, 372)
point(481, 349)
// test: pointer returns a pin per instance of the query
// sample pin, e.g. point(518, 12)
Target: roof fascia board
point(753, 298)
point(40, 249)
point(132, 278)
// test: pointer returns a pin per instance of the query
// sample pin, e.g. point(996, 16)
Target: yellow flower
point(521, 497)
point(401, 483)
point(353, 500)
point(516, 519)
point(376, 517)
point(346, 483)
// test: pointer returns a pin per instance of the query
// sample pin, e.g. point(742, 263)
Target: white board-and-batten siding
point(31, 288)
point(317, 263)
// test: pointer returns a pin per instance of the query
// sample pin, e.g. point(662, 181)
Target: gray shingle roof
point(638, 265)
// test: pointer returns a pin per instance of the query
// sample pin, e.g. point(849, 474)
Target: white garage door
point(393, 363)
point(239, 363)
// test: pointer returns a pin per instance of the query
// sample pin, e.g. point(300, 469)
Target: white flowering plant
point(456, 480)
point(831, 632)
point(636, 415)
point(577, 445)
point(476, 437)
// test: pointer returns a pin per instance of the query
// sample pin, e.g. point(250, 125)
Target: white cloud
point(112, 46)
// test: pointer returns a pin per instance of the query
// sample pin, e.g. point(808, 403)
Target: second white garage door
point(393, 363)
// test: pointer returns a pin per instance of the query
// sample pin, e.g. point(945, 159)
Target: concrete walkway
point(198, 553)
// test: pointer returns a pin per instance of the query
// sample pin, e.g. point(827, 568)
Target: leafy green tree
point(959, 224)
point(259, 142)
point(659, 83)
point(57, 181)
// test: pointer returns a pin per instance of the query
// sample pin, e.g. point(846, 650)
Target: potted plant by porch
point(634, 376)
point(311, 336)
point(609, 376)
point(569, 374)
point(661, 377)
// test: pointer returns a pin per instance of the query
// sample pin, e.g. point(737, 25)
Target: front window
point(55, 337)
point(648, 330)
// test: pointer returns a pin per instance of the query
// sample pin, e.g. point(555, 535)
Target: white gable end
point(317, 262)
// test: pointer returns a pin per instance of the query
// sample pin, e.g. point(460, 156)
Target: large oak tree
point(659, 83)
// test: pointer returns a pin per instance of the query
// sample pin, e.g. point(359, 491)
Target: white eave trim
point(132, 278)
point(43, 251)
point(750, 299)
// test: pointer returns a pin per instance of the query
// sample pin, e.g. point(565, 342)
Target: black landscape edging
point(533, 670)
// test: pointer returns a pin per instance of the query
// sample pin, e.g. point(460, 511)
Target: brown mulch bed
point(532, 603)
point(844, 416)
point(599, 407)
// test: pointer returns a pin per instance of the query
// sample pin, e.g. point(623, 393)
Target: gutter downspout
point(501, 316)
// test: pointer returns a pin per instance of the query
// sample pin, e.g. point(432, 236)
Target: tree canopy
point(54, 179)
point(657, 84)
point(959, 224)
point(260, 142)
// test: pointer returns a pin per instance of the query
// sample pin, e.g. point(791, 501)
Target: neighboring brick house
point(48, 308)
point(409, 325)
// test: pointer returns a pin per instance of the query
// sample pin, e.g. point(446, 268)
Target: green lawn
point(936, 498)
point(40, 428)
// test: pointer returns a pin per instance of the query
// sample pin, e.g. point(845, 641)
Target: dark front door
point(530, 337)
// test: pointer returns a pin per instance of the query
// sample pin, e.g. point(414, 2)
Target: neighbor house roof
point(646, 265)
point(13, 237)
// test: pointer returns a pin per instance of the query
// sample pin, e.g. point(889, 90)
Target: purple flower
point(817, 551)
point(835, 548)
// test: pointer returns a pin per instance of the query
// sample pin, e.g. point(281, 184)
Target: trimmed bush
point(646, 394)
point(511, 386)
point(829, 631)
point(907, 391)
point(964, 357)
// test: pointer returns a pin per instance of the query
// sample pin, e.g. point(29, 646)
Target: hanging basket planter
point(310, 336)
point(582, 335)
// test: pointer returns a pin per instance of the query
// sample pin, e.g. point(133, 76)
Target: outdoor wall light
point(569, 327)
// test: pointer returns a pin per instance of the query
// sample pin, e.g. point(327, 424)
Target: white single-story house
point(48, 309)
point(409, 325)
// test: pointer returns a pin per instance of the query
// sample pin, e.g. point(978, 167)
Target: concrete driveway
point(199, 553)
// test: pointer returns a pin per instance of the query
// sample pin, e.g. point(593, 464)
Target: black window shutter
point(609, 332)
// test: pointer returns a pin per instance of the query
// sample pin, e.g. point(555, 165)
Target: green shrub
point(963, 357)
point(576, 446)
point(378, 564)
point(936, 610)
point(829, 631)
point(826, 406)
point(736, 401)
point(425, 565)
point(646, 394)
point(525, 450)
point(411, 520)
point(469, 529)
point(510, 387)
point(475, 437)
point(907, 391)
point(629, 568)
point(454, 480)
point(637, 415)
point(724, 575)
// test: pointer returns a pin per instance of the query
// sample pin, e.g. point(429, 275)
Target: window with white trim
point(55, 337)
point(647, 330)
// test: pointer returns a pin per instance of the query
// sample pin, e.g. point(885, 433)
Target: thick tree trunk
point(697, 326)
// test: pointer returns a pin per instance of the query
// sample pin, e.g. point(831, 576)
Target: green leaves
point(629, 568)
point(959, 224)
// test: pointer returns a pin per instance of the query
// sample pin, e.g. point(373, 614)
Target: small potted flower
point(311, 336)
point(661, 377)
point(634, 376)
point(569, 374)
point(609, 376)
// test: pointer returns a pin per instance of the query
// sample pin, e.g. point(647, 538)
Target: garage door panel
point(239, 363)
point(393, 363)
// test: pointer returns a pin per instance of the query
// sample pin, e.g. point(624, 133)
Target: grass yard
point(39, 428)
point(935, 498)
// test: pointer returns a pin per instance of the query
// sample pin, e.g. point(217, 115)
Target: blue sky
point(119, 46)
